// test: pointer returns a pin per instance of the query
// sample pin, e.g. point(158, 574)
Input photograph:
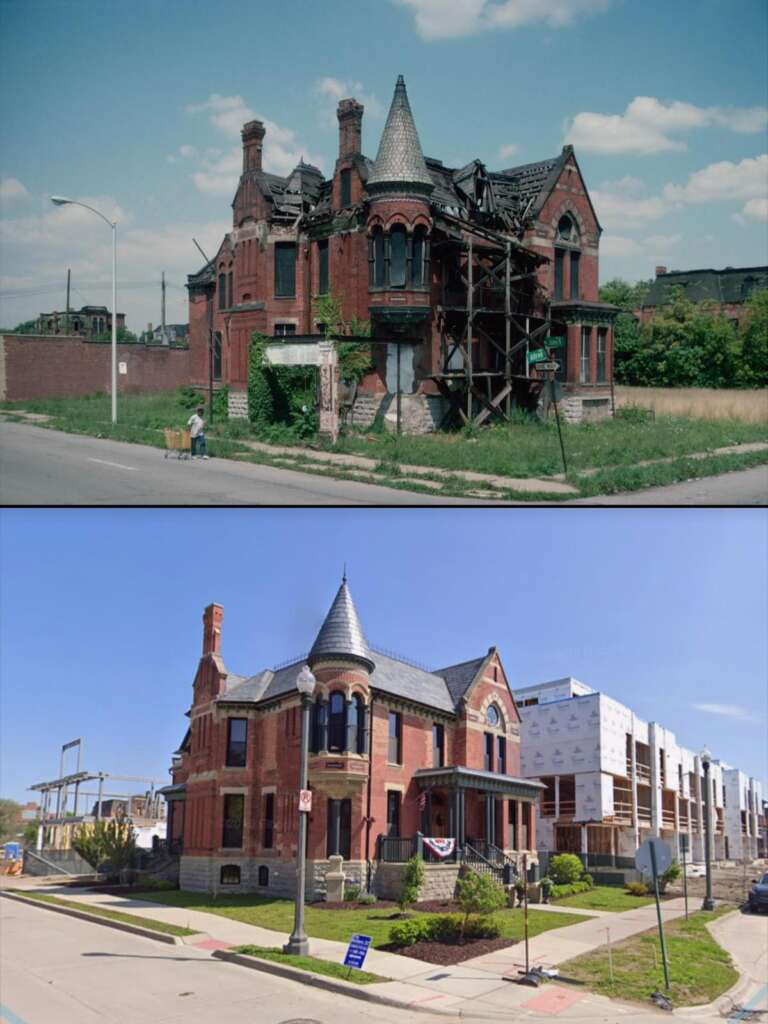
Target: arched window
point(337, 723)
point(567, 230)
point(356, 725)
point(263, 878)
point(377, 258)
point(397, 249)
point(419, 264)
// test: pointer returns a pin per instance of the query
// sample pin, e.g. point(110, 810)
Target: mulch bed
point(423, 907)
point(445, 953)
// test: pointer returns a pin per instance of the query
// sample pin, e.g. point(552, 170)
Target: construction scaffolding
point(492, 313)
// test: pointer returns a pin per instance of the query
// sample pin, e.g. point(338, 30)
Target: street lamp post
point(708, 903)
point(298, 944)
point(61, 201)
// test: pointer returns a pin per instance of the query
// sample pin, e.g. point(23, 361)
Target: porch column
point(489, 818)
point(458, 815)
point(557, 798)
point(518, 824)
point(584, 847)
point(169, 823)
point(453, 821)
point(532, 826)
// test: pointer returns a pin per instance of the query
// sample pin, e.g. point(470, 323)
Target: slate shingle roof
point(341, 633)
point(400, 158)
point(458, 678)
point(731, 285)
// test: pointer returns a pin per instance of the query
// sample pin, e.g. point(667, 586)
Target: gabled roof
point(459, 678)
point(400, 158)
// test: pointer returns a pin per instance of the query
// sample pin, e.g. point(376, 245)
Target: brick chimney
point(350, 115)
point(660, 271)
point(212, 619)
point(253, 138)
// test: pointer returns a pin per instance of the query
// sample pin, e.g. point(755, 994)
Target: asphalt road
point(47, 467)
point(746, 487)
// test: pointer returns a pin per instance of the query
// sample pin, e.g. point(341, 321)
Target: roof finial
point(344, 574)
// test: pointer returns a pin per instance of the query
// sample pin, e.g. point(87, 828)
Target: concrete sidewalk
point(474, 988)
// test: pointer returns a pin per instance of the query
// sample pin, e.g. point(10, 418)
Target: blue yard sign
point(358, 947)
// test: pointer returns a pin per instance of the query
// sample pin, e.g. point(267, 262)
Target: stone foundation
point(420, 414)
point(585, 408)
point(203, 874)
point(439, 881)
point(237, 405)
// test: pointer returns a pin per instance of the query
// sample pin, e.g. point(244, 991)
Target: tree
point(413, 879)
point(670, 875)
point(753, 334)
point(10, 819)
point(104, 843)
point(479, 895)
point(122, 335)
point(621, 293)
point(26, 327)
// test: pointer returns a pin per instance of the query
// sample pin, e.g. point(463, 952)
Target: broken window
point(602, 341)
point(567, 230)
point(222, 291)
point(586, 337)
point(285, 269)
point(322, 267)
point(346, 188)
point(377, 258)
point(575, 259)
point(217, 355)
point(559, 261)
point(397, 257)
point(419, 275)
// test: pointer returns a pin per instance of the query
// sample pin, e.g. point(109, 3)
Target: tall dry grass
point(699, 403)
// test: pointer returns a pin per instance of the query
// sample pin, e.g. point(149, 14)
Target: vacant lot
point(698, 403)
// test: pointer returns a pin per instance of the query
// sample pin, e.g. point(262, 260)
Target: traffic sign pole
point(658, 915)
point(557, 417)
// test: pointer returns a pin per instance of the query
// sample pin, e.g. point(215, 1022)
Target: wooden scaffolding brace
point(462, 386)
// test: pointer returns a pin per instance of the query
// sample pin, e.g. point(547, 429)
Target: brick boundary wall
point(39, 366)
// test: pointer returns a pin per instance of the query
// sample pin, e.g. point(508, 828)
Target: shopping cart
point(178, 441)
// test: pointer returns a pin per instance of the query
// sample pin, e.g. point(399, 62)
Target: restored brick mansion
point(397, 753)
point(465, 272)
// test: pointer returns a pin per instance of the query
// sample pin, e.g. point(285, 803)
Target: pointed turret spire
point(400, 161)
point(341, 635)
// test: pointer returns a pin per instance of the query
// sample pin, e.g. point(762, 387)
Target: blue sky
point(101, 614)
point(137, 109)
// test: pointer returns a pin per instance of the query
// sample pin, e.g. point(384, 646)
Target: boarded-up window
point(419, 261)
point(377, 260)
point(559, 261)
point(602, 341)
point(285, 269)
point(586, 337)
point(575, 260)
point(346, 188)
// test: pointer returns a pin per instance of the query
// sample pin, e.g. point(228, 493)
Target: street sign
point(548, 366)
point(305, 800)
point(643, 860)
point(536, 355)
point(356, 953)
point(554, 342)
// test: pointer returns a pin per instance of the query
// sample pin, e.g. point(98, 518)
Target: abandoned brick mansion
point(400, 759)
point(469, 277)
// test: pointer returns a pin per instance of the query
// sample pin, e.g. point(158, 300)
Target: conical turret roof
point(341, 635)
point(400, 160)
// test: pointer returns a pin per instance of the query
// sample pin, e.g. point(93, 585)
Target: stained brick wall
point(34, 366)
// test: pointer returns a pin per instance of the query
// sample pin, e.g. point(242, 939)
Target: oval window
point(492, 715)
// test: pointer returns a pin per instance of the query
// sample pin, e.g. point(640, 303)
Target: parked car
point(758, 894)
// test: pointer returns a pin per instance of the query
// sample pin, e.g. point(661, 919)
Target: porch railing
point(486, 858)
point(395, 849)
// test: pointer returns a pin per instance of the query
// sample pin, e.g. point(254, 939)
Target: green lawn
point(532, 449)
point(311, 963)
point(112, 915)
point(339, 924)
point(699, 969)
point(604, 897)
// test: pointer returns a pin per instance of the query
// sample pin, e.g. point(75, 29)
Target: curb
point(329, 984)
point(734, 993)
point(135, 929)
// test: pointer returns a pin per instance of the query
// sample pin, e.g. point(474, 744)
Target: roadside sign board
point(548, 366)
point(554, 342)
point(305, 800)
point(663, 853)
point(536, 355)
point(356, 953)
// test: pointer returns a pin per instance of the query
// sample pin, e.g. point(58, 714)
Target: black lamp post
point(708, 903)
point(298, 944)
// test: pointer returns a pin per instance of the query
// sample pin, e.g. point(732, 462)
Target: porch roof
point(176, 791)
point(459, 777)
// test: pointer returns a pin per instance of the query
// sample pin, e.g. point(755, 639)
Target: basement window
point(263, 877)
point(230, 874)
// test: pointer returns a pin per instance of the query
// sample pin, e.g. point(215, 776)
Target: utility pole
point(69, 272)
point(162, 334)
point(210, 344)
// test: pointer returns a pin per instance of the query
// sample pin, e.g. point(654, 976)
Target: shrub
point(559, 891)
point(565, 868)
point(352, 893)
point(413, 879)
point(408, 933)
point(588, 879)
point(670, 875)
point(157, 885)
point(106, 842)
point(366, 898)
point(479, 894)
point(637, 888)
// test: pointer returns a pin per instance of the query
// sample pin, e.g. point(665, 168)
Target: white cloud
point(725, 710)
point(509, 150)
point(438, 19)
point(756, 209)
point(218, 171)
point(648, 125)
point(727, 181)
point(12, 188)
point(619, 204)
point(650, 247)
point(335, 89)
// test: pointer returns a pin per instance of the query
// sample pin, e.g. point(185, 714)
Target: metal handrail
point(58, 869)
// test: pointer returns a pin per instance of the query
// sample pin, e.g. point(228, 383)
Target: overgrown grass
point(311, 963)
point(604, 897)
point(112, 915)
point(699, 969)
point(277, 915)
point(532, 449)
